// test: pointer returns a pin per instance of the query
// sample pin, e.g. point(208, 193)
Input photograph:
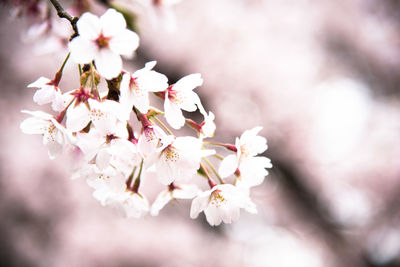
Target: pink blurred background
point(321, 77)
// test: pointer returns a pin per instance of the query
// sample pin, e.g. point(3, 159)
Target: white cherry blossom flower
point(149, 140)
point(100, 142)
point(222, 203)
point(103, 114)
point(55, 136)
point(135, 87)
point(48, 93)
point(103, 40)
point(252, 169)
point(119, 153)
point(108, 183)
point(180, 96)
point(173, 192)
point(131, 204)
point(178, 158)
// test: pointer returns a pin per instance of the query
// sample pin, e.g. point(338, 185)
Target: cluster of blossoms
point(114, 158)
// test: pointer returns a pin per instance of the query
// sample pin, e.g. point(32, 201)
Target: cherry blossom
point(108, 183)
point(252, 169)
point(131, 204)
point(135, 87)
point(48, 93)
point(222, 203)
point(55, 136)
point(173, 192)
point(178, 158)
point(103, 40)
point(123, 145)
point(208, 126)
point(103, 114)
point(180, 96)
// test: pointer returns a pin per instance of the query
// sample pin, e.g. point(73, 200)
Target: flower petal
point(162, 199)
point(199, 204)
point(173, 114)
point(34, 126)
point(228, 166)
point(42, 81)
point(89, 26)
point(112, 23)
point(77, 117)
point(82, 50)
point(125, 43)
point(108, 63)
point(188, 82)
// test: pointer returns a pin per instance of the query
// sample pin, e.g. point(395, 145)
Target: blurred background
point(321, 77)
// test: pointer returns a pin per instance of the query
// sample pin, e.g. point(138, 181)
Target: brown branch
point(64, 14)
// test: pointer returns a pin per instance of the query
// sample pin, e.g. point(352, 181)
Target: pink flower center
point(81, 95)
point(102, 41)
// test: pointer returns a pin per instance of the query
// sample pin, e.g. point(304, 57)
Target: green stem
point(163, 125)
point(205, 171)
point(136, 185)
point(214, 170)
point(57, 77)
point(218, 156)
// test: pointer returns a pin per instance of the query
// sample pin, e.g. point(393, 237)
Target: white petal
point(58, 102)
point(199, 204)
point(44, 95)
point(77, 117)
point(112, 23)
point(102, 159)
point(39, 114)
point(190, 100)
point(82, 50)
point(89, 26)
point(108, 63)
point(162, 199)
point(165, 172)
point(213, 215)
point(150, 65)
point(228, 166)
point(34, 126)
point(42, 81)
point(125, 43)
point(173, 114)
point(185, 191)
point(141, 102)
point(188, 83)
point(151, 81)
point(54, 149)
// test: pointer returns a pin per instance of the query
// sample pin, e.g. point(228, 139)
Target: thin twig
point(64, 14)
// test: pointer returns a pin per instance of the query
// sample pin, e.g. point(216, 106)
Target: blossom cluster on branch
point(122, 137)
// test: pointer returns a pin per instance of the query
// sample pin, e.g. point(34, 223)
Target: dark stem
point(64, 14)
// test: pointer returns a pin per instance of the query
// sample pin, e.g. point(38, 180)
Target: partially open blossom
point(208, 126)
point(180, 96)
point(222, 203)
point(136, 87)
point(103, 40)
point(55, 136)
point(252, 168)
point(48, 93)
